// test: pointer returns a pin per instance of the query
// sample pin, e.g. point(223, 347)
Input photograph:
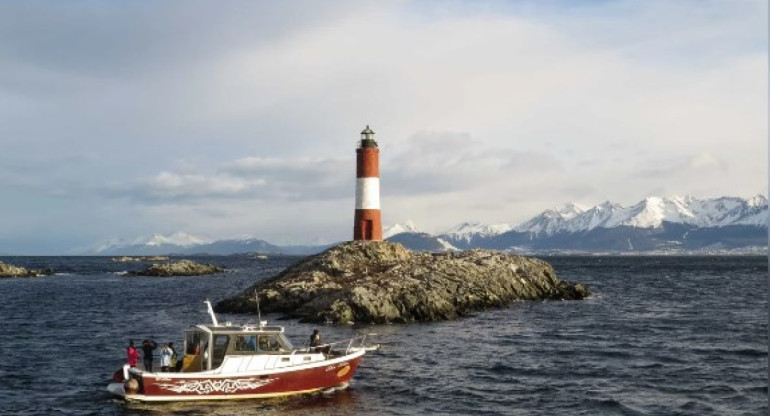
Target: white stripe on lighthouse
point(367, 193)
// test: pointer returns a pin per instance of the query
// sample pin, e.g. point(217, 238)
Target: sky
point(222, 119)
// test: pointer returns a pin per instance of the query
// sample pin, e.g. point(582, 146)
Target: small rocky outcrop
point(381, 282)
point(125, 259)
point(178, 268)
point(7, 270)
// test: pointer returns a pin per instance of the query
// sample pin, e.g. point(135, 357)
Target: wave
point(738, 351)
point(612, 405)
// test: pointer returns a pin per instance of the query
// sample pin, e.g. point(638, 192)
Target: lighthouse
point(367, 224)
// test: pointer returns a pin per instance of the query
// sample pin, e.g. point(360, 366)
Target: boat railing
point(345, 345)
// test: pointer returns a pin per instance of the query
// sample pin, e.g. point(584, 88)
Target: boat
point(227, 361)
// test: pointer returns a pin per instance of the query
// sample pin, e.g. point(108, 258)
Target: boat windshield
point(260, 343)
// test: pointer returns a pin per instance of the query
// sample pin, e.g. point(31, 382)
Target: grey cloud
point(693, 164)
point(253, 178)
point(430, 163)
point(97, 38)
point(299, 178)
point(297, 169)
point(444, 162)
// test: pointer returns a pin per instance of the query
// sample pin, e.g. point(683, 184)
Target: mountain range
point(656, 224)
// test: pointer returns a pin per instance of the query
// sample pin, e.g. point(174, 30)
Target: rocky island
point(7, 270)
point(178, 268)
point(383, 282)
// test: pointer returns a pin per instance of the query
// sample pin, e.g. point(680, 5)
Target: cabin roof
point(240, 329)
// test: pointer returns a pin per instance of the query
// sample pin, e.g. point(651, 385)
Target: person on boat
point(174, 357)
point(132, 354)
point(148, 346)
point(264, 344)
point(315, 339)
point(165, 358)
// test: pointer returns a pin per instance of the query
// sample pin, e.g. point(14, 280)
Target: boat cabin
point(207, 347)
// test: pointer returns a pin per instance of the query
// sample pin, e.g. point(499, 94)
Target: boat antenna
point(259, 314)
point(211, 312)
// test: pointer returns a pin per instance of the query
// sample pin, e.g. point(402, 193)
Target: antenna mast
point(211, 312)
point(259, 313)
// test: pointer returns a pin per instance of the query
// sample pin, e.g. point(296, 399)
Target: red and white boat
point(223, 362)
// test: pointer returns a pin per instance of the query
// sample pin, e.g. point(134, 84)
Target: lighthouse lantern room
point(367, 224)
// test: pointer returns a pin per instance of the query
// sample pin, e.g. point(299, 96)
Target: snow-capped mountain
point(422, 242)
point(468, 231)
point(652, 212)
point(406, 227)
point(154, 242)
point(186, 244)
point(411, 237)
point(552, 220)
point(671, 224)
point(177, 238)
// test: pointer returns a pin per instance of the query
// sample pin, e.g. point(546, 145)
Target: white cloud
point(705, 160)
point(172, 185)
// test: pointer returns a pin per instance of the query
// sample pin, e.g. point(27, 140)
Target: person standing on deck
point(148, 346)
point(174, 357)
point(132, 354)
point(315, 339)
point(165, 358)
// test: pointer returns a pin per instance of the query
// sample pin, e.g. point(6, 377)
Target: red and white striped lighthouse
point(367, 224)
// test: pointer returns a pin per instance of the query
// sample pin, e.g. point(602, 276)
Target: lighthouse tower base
point(367, 225)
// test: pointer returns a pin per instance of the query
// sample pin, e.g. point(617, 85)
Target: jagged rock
point(381, 282)
point(7, 270)
point(179, 268)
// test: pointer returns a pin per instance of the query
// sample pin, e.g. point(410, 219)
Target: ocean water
point(659, 336)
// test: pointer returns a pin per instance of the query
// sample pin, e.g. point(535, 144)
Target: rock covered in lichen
point(178, 268)
point(381, 282)
point(7, 270)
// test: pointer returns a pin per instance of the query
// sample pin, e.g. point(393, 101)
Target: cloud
point(251, 178)
point(496, 109)
point(706, 160)
point(703, 163)
point(171, 185)
point(103, 41)
point(432, 163)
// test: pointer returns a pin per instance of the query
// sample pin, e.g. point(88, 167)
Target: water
point(660, 336)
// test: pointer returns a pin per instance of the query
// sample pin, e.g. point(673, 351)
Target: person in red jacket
point(132, 354)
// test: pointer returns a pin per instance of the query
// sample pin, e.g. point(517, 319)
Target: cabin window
point(245, 343)
point(192, 343)
point(269, 343)
point(220, 346)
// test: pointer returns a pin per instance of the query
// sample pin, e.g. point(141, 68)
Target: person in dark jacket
point(148, 346)
point(315, 341)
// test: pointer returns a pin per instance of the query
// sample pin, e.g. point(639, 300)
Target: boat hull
point(167, 387)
